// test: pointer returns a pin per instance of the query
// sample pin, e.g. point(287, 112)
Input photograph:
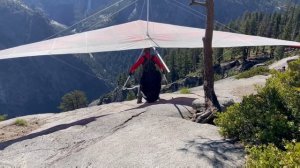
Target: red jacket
point(142, 59)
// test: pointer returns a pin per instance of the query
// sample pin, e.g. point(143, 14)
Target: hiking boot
point(139, 101)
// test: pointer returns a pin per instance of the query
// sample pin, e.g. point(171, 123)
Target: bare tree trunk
point(211, 102)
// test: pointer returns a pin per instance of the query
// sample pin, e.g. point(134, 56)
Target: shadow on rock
point(179, 101)
point(82, 122)
point(219, 153)
point(183, 101)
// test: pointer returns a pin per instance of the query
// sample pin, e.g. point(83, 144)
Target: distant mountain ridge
point(71, 11)
point(35, 85)
point(67, 11)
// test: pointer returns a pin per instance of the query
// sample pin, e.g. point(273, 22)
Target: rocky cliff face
point(35, 85)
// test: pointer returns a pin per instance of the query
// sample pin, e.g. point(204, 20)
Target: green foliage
point(217, 77)
point(270, 62)
point(185, 91)
point(231, 72)
point(279, 52)
point(130, 96)
point(266, 156)
point(21, 122)
point(218, 55)
point(283, 25)
point(73, 100)
point(182, 62)
point(294, 73)
point(253, 72)
point(271, 116)
point(193, 74)
point(121, 79)
point(2, 117)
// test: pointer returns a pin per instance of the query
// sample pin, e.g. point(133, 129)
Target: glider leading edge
point(133, 35)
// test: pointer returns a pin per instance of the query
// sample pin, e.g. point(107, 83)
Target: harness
point(149, 65)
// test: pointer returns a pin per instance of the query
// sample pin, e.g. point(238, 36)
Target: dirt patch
point(13, 131)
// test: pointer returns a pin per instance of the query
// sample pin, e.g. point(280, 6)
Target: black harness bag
point(150, 83)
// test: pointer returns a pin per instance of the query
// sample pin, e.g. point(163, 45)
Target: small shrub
point(266, 156)
point(130, 96)
point(193, 74)
point(270, 62)
point(231, 72)
point(217, 77)
point(2, 117)
point(271, 116)
point(185, 91)
point(253, 72)
point(279, 52)
point(73, 100)
point(21, 122)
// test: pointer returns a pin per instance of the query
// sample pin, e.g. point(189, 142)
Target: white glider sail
point(133, 35)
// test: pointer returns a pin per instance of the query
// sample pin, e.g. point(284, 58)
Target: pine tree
point(279, 53)
point(2, 117)
point(73, 100)
point(218, 55)
point(298, 38)
point(121, 79)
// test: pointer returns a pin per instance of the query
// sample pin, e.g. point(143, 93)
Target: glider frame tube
point(162, 61)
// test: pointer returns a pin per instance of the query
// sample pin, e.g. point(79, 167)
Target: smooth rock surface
point(283, 62)
point(129, 135)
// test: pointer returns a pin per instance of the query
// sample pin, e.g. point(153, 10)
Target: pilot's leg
point(139, 96)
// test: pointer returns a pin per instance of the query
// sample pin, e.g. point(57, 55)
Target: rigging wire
point(97, 23)
point(199, 15)
point(148, 10)
point(85, 19)
point(75, 24)
point(183, 6)
point(74, 67)
point(188, 8)
point(143, 6)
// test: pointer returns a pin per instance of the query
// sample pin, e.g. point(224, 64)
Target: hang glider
point(136, 35)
